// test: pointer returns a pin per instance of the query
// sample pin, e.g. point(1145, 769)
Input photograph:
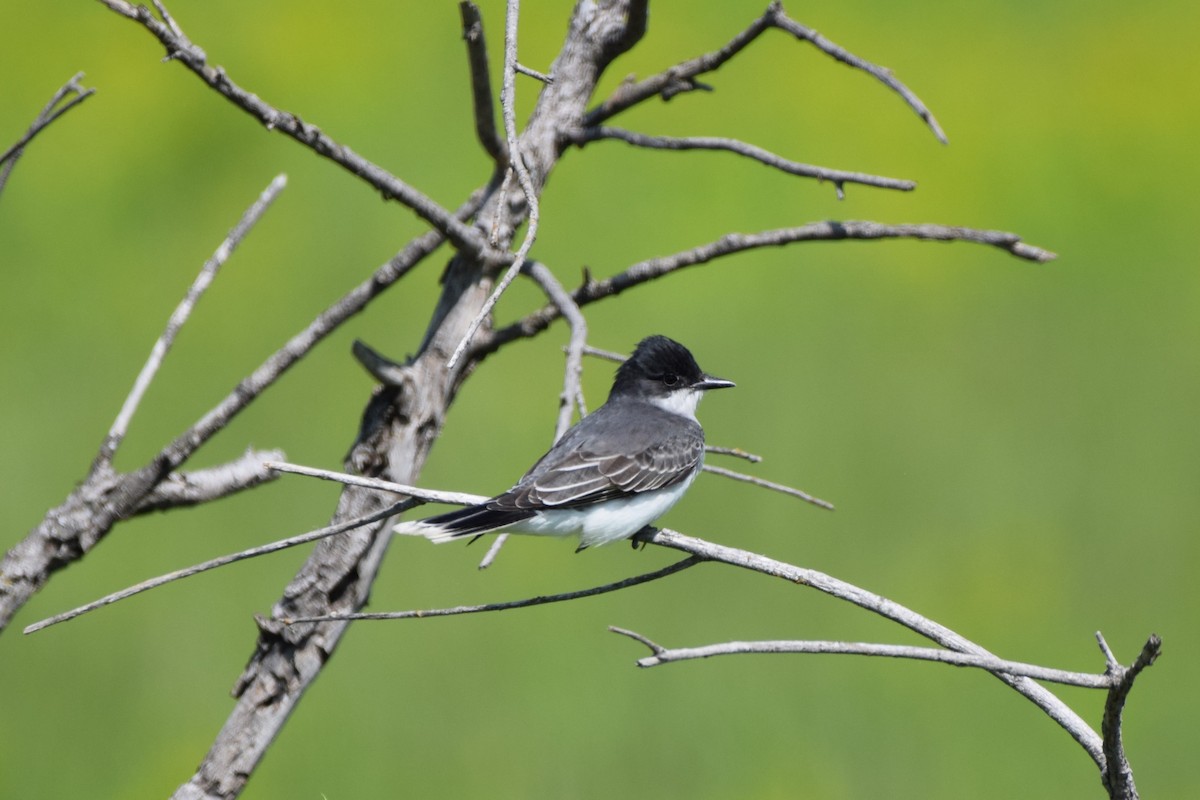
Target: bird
point(612, 474)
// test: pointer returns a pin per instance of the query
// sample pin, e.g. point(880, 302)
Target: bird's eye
point(670, 379)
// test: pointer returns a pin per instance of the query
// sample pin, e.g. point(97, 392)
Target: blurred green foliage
point(1013, 448)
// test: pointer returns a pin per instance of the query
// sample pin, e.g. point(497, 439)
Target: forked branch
point(683, 76)
point(69, 95)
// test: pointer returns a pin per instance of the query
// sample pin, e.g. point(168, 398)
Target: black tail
point(470, 521)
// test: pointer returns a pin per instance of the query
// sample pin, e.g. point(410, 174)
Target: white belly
point(605, 522)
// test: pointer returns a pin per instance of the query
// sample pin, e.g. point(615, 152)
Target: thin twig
point(120, 426)
point(414, 492)
point(1042, 698)
point(682, 76)
point(608, 355)
point(508, 104)
point(253, 552)
point(670, 569)
point(835, 176)
point(664, 655)
point(572, 393)
point(734, 243)
point(181, 49)
point(785, 23)
point(561, 298)
point(765, 484)
point(481, 84)
point(48, 114)
point(736, 452)
point(678, 78)
point(533, 73)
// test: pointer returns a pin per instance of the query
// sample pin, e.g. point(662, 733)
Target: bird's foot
point(640, 539)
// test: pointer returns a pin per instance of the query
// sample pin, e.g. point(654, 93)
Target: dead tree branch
point(52, 111)
point(664, 655)
point(402, 418)
point(181, 489)
point(682, 76)
point(835, 176)
point(1043, 699)
point(654, 268)
point(1116, 773)
point(204, 279)
point(636, 580)
point(481, 85)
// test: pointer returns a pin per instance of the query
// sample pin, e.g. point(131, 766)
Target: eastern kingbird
point(618, 470)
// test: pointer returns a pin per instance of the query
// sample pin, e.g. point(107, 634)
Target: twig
point(181, 49)
point(572, 393)
point(253, 552)
point(765, 484)
point(785, 23)
point(120, 426)
point(682, 76)
point(834, 176)
point(533, 73)
point(51, 112)
point(678, 78)
point(508, 104)
point(181, 489)
point(1116, 774)
point(1049, 703)
point(413, 492)
point(733, 243)
point(608, 355)
point(663, 655)
point(736, 452)
point(481, 84)
point(671, 569)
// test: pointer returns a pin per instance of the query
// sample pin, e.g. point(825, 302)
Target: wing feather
point(608, 456)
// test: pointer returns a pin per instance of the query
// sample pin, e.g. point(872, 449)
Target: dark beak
point(709, 382)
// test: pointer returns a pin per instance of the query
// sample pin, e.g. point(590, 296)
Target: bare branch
point(253, 552)
point(116, 434)
point(481, 84)
point(508, 103)
point(682, 76)
point(608, 355)
point(181, 49)
point(676, 79)
point(414, 492)
point(572, 392)
point(883, 74)
point(671, 569)
point(655, 268)
point(663, 655)
point(181, 489)
point(834, 176)
point(736, 452)
point(1043, 699)
point(533, 73)
point(765, 484)
point(1117, 775)
point(51, 112)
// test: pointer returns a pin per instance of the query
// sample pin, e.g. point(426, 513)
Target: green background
point(1012, 447)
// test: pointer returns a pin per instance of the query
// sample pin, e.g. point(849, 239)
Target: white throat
point(682, 402)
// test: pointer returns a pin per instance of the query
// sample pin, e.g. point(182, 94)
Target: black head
point(660, 366)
